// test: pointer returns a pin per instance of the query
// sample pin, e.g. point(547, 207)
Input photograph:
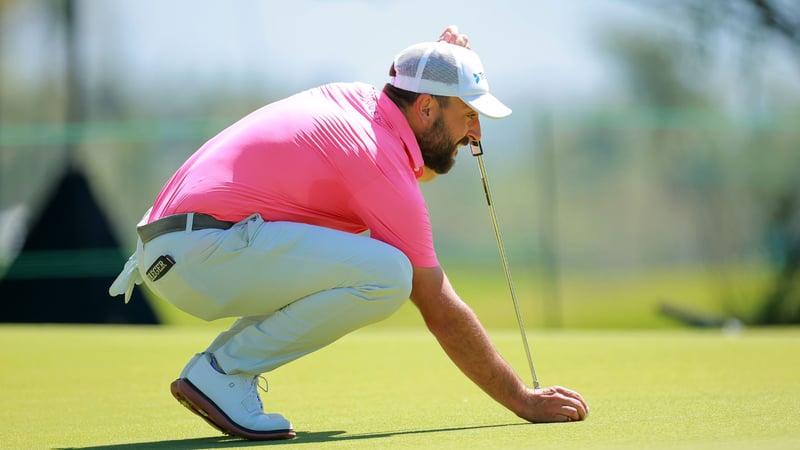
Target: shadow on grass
point(302, 438)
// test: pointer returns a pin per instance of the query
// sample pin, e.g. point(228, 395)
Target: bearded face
point(437, 146)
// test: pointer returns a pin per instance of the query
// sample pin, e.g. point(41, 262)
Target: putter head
point(476, 148)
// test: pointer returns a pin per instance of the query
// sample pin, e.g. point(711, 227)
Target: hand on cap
point(451, 36)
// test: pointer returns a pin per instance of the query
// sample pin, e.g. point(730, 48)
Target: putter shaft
point(477, 151)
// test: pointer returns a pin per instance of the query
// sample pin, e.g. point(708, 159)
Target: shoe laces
point(261, 382)
point(252, 396)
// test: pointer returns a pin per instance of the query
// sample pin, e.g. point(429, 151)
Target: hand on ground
point(554, 404)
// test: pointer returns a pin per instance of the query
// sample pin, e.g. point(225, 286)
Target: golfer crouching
point(264, 223)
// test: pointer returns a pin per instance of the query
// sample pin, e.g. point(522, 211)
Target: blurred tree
point(757, 23)
point(688, 202)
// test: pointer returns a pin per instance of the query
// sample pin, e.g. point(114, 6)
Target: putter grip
point(476, 148)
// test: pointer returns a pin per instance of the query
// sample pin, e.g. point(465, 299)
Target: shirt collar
point(396, 121)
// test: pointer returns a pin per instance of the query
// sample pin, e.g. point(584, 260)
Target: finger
point(451, 36)
point(571, 413)
point(578, 407)
point(449, 33)
point(567, 405)
point(462, 40)
point(447, 36)
point(576, 396)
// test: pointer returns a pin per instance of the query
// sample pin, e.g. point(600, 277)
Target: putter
point(477, 151)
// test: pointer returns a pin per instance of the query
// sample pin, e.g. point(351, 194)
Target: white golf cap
point(439, 68)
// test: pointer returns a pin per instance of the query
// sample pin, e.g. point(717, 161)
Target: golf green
point(108, 387)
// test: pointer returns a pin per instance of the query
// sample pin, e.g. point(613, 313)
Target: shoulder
point(355, 91)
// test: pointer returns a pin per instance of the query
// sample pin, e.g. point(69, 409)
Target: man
point(264, 223)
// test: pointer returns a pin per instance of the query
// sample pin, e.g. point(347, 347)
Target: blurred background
point(649, 176)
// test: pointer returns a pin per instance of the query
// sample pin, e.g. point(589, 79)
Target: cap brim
point(488, 105)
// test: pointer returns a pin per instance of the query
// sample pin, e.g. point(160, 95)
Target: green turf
point(107, 387)
point(595, 300)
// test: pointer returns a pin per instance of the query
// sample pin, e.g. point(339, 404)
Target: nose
point(474, 129)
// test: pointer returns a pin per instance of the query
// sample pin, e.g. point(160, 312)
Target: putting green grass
point(382, 387)
point(626, 299)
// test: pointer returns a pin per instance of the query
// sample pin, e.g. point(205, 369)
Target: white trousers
point(295, 287)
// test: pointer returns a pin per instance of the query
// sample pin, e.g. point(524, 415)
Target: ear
point(425, 109)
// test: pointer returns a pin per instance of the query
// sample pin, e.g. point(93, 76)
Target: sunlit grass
point(582, 300)
point(107, 387)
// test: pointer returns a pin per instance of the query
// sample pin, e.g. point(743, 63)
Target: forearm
point(466, 343)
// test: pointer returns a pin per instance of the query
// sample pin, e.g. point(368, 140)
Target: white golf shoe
point(229, 403)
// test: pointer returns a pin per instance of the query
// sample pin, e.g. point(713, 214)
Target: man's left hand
point(451, 36)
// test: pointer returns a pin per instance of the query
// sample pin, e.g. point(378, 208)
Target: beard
point(438, 151)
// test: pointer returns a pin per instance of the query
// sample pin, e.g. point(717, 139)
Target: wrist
point(520, 401)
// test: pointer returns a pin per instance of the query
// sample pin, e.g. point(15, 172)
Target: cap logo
point(478, 77)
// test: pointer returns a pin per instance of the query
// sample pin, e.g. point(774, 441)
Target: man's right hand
point(466, 342)
point(553, 404)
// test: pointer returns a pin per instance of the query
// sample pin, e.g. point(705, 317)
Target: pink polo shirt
point(340, 156)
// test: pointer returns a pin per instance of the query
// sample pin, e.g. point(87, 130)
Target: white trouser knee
point(296, 287)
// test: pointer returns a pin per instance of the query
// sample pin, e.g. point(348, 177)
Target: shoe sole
point(195, 401)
